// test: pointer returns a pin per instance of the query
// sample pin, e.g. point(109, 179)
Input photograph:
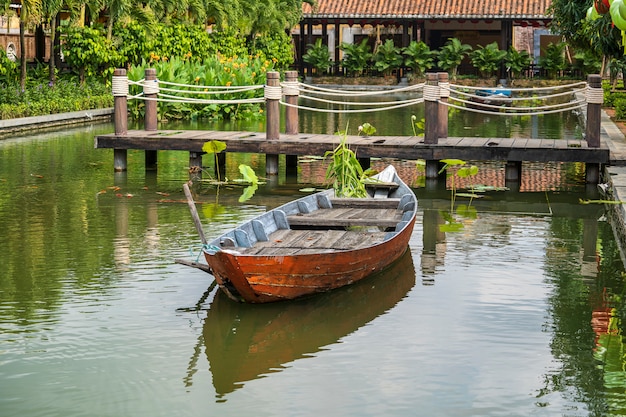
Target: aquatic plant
point(345, 171)
point(366, 129)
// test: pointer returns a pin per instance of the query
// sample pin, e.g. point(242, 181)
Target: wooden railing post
point(431, 108)
point(150, 91)
point(273, 95)
point(595, 98)
point(291, 93)
point(444, 93)
point(120, 118)
point(431, 116)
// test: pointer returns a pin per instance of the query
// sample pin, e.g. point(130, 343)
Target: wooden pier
point(433, 147)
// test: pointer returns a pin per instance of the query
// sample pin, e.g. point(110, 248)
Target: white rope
point(444, 89)
point(519, 98)
point(119, 85)
point(151, 87)
point(574, 107)
point(352, 103)
point(554, 87)
point(208, 92)
point(431, 92)
point(273, 92)
point(594, 95)
point(417, 101)
point(500, 107)
point(217, 87)
point(458, 94)
point(290, 88)
point(179, 99)
point(343, 93)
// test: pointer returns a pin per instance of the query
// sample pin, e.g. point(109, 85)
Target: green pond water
point(517, 314)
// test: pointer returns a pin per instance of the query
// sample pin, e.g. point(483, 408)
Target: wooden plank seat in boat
point(299, 242)
point(348, 216)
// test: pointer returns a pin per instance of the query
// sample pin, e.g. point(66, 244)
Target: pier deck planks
point(402, 147)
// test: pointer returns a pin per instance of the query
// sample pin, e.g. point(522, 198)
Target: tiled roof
point(420, 9)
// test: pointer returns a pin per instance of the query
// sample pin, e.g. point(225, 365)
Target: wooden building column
point(506, 42)
point(337, 43)
point(302, 49)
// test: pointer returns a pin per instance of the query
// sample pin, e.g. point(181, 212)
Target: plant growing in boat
point(345, 171)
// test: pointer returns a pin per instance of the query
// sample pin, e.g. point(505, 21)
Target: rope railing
point(460, 97)
point(317, 94)
point(493, 100)
point(179, 95)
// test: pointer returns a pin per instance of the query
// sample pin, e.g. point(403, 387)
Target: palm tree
point(50, 11)
point(30, 13)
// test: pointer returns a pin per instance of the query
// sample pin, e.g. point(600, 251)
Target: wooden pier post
point(150, 91)
point(273, 95)
point(431, 116)
point(291, 116)
point(513, 171)
point(120, 118)
point(444, 93)
point(595, 98)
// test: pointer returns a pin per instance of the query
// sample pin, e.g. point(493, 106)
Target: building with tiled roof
point(475, 22)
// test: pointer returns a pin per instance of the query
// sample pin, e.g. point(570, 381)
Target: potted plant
point(387, 58)
point(419, 57)
point(487, 59)
point(318, 56)
point(515, 62)
point(356, 57)
point(451, 55)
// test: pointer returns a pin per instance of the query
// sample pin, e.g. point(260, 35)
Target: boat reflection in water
point(247, 341)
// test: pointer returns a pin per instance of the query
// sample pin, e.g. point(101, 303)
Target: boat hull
point(262, 279)
point(315, 244)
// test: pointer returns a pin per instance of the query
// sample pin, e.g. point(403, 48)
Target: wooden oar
point(194, 213)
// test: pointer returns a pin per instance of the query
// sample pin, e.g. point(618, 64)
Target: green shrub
point(275, 47)
point(620, 108)
point(419, 57)
point(610, 98)
point(8, 69)
point(387, 58)
point(516, 61)
point(318, 56)
point(553, 59)
point(214, 71)
point(89, 53)
point(356, 57)
point(40, 98)
point(451, 55)
point(487, 59)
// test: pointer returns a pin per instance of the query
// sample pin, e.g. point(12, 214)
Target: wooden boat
point(498, 96)
point(243, 342)
point(314, 244)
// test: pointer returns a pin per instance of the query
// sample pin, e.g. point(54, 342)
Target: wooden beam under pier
point(401, 147)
